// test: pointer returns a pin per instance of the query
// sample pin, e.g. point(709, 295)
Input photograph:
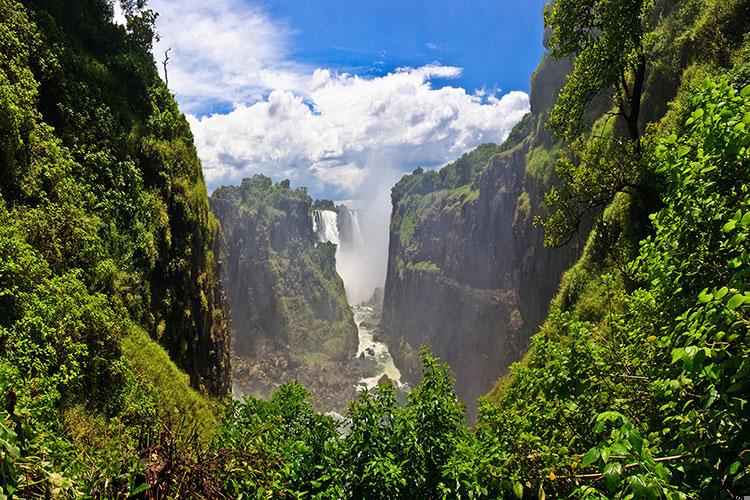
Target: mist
point(363, 264)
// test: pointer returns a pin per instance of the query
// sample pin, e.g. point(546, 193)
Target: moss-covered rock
point(285, 295)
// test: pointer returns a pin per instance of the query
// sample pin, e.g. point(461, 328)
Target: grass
point(170, 385)
point(523, 207)
point(426, 266)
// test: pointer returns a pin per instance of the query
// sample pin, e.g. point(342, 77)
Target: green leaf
point(677, 354)
point(518, 489)
point(729, 226)
point(590, 457)
point(734, 467)
point(612, 473)
point(736, 301)
point(139, 489)
point(746, 219)
point(745, 92)
point(637, 441)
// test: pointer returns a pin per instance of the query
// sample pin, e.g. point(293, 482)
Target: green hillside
point(111, 330)
point(114, 350)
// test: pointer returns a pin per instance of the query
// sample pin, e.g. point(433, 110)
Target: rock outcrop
point(287, 302)
point(468, 272)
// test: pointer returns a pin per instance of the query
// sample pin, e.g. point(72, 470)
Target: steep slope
point(467, 232)
point(105, 241)
point(290, 317)
point(467, 272)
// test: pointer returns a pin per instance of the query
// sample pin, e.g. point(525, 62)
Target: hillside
point(633, 372)
point(467, 271)
point(290, 318)
point(111, 314)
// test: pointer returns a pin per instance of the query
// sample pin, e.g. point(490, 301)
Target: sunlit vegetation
point(112, 363)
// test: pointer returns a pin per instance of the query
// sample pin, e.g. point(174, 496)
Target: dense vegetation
point(638, 388)
point(635, 387)
point(309, 314)
point(105, 253)
point(285, 295)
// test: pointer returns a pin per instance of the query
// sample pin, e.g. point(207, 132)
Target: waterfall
point(358, 240)
point(325, 225)
point(342, 227)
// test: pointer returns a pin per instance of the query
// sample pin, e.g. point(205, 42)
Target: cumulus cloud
point(331, 140)
point(329, 131)
point(342, 135)
point(223, 51)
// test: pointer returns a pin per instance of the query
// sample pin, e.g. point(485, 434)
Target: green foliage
point(104, 231)
point(606, 39)
point(653, 390)
point(282, 447)
point(307, 306)
point(629, 58)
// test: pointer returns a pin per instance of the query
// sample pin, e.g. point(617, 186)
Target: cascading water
point(325, 225)
point(344, 230)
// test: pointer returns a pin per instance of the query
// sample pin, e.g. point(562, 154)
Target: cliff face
point(94, 151)
point(467, 272)
point(289, 312)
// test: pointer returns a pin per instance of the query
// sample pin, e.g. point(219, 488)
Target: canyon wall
point(289, 314)
point(468, 272)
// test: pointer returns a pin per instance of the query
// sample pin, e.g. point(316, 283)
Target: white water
point(325, 225)
point(372, 349)
point(351, 266)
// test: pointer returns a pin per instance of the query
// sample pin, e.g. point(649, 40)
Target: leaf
point(746, 219)
point(590, 457)
point(729, 226)
point(612, 473)
point(736, 301)
point(677, 354)
point(140, 489)
point(637, 441)
point(518, 489)
point(734, 467)
point(745, 92)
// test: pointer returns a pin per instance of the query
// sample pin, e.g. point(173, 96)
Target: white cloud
point(341, 135)
point(118, 16)
point(332, 132)
point(333, 141)
point(223, 50)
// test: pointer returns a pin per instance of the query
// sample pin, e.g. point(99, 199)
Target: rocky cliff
point(289, 314)
point(467, 271)
point(119, 197)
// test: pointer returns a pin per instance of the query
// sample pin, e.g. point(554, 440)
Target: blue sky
point(497, 42)
point(340, 95)
point(345, 97)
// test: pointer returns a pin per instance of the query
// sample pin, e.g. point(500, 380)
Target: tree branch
point(628, 466)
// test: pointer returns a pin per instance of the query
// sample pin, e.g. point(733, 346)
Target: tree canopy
point(606, 40)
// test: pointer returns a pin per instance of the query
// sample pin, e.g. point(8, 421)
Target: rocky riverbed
point(332, 385)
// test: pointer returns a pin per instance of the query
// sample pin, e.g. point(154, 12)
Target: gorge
point(176, 324)
point(316, 325)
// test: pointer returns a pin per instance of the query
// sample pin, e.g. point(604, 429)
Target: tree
point(140, 23)
point(605, 38)
point(607, 41)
